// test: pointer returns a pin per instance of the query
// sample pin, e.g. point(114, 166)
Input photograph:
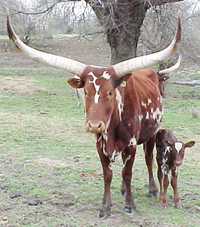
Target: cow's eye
point(110, 93)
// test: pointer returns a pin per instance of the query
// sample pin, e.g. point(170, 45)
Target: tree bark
point(122, 20)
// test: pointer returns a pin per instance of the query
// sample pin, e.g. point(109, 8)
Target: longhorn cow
point(123, 109)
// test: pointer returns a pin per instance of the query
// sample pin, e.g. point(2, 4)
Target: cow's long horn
point(132, 64)
point(173, 68)
point(70, 65)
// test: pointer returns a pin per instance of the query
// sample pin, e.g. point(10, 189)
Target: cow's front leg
point(148, 150)
point(107, 175)
point(128, 157)
point(175, 188)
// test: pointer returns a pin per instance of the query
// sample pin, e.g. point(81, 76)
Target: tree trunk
point(122, 20)
point(123, 39)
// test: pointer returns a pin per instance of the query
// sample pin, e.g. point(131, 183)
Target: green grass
point(45, 153)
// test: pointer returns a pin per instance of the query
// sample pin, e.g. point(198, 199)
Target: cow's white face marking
point(106, 75)
point(107, 125)
point(97, 87)
point(119, 103)
point(178, 146)
point(132, 142)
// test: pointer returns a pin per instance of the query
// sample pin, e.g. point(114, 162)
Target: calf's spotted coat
point(170, 154)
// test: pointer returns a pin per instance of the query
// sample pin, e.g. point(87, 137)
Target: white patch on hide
point(96, 87)
point(132, 142)
point(147, 115)
point(149, 101)
point(119, 103)
point(126, 160)
point(144, 104)
point(178, 146)
point(106, 75)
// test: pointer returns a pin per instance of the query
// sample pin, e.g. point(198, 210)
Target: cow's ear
point(167, 143)
point(164, 78)
point(190, 144)
point(76, 82)
point(118, 81)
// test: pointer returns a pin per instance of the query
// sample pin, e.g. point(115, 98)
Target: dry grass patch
point(19, 85)
point(53, 163)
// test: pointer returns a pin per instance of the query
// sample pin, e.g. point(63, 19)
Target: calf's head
point(177, 150)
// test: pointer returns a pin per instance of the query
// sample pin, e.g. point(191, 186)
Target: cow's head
point(177, 150)
point(101, 96)
point(99, 83)
point(162, 74)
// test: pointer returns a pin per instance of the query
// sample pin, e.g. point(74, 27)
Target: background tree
point(122, 21)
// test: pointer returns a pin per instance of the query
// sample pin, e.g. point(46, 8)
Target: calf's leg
point(164, 182)
point(148, 150)
point(175, 189)
point(165, 186)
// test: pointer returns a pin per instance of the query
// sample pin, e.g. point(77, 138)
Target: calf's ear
point(167, 143)
point(76, 82)
point(190, 144)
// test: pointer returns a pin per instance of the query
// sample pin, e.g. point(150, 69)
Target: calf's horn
point(70, 65)
point(132, 64)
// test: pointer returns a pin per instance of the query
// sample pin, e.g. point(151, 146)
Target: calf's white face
point(178, 150)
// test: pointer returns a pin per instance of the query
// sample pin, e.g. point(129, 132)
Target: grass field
point(46, 157)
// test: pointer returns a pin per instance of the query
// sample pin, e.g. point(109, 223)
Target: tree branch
point(47, 10)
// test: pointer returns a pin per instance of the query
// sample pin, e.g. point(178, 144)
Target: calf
point(170, 153)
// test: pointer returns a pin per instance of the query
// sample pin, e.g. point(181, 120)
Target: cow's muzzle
point(95, 126)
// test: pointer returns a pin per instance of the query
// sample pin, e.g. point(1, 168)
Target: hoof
point(178, 206)
point(104, 212)
point(123, 191)
point(130, 208)
point(153, 194)
point(123, 188)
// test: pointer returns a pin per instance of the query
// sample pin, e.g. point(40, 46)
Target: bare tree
point(122, 21)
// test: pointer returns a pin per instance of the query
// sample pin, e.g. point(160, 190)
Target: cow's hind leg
point(128, 157)
point(148, 149)
point(107, 175)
